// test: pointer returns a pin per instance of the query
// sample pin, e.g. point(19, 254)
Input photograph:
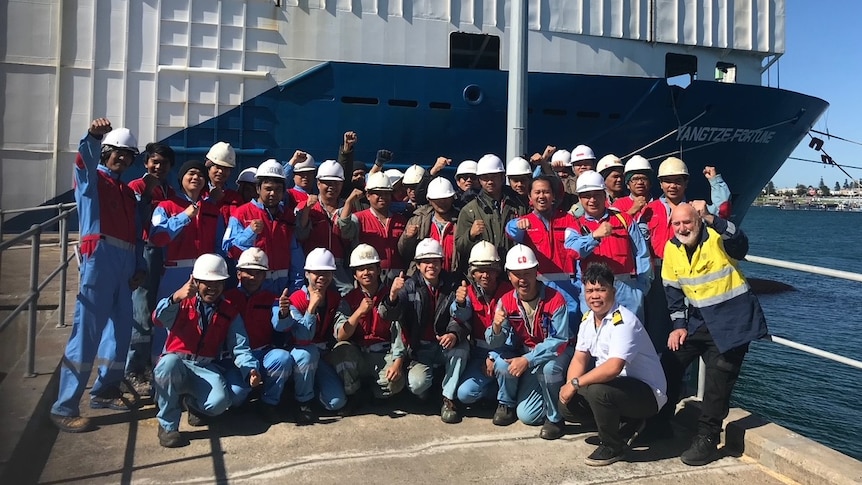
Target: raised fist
point(411, 231)
point(349, 140)
point(100, 126)
point(604, 230)
point(523, 224)
point(256, 226)
point(477, 228)
point(383, 157)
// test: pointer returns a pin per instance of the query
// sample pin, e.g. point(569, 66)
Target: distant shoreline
point(813, 203)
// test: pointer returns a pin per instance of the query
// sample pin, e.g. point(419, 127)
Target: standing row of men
point(423, 289)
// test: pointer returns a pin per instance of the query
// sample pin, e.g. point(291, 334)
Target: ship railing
point(806, 268)
point(31, 301)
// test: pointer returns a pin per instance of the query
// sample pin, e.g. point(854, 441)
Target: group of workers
point(556, 288)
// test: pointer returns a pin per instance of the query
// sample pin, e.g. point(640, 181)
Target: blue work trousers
point(204, 385)
point(537, 390)
point(276, 365)
point(476, 385)
point(430, 355)
point(140, 358)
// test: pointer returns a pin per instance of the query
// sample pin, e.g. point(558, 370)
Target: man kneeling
point(627, 381)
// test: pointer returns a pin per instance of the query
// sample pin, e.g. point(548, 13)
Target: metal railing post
point(64, 263)
point(34, 300)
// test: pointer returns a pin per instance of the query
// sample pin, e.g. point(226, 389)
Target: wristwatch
point(576, 384)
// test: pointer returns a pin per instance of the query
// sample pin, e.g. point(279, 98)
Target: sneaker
point(551, 430)
point(305, 415)
point(140, 385)
point(268, 412)
point(703, 449)
point(449, 413)
point(604, 455)
point(171, 439)
point(504, 415)
point(72, 424)
point(630, 430)
point(195, 417)
point(113, 399)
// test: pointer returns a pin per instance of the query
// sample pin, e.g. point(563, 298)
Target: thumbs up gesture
point(461, 293)
point(284, 304)
point(397, 285)
point(254, 378)
point(188, 290)
point(499, 317)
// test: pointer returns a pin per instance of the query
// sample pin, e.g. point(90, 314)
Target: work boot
point(449, 413)
point(195, 417)
point(111, 399)
point(551, 430)
point(268, 412)
point(504, 415)
point(171, 439)
point(72, 424)
point(703, 449)
point(604, 455)
point(305, 415)
point(140, 385)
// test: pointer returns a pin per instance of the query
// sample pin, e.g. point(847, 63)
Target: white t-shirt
point(621, 335)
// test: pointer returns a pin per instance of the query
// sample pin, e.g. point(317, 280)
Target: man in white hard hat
point(220, 162)
point(415, 181)
point(111, 266)
point(532, 317)
point(309, 315)
point(437, 221)
point(611, 168)
point(255, 305)
point(637, 172)
point(583, 159)
point(301, 170)
point(370, 353)
point(558, 165)
point(467, 182)
point(604, 234)
point(186, 370)
point(474, 306)
point(268, 224)
point(485, 217)
point(519, 173)
point(247, 185)
point(421, 304)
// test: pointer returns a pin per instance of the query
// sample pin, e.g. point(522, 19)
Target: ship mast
point(516, 119)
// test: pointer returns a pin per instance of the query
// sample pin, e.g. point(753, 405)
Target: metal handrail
point(31, 301)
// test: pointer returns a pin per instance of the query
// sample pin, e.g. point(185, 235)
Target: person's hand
point(411, 231)
point(188, 290)
point(536, 159)
point(558, 165)
point(383, 157)
point(549, 152)
point(518, 366)
point(461, 293)
point(477, 228)
point(365, 306)
point(700, 207)
point(393, 373)
point(137, 279)
point(350, 139)
point(709, 172)
point(638, 203)
point(254, 378)
point(150, 183)
point(99, 127)
point(604, 230)
point(397, 285)
point(447, 341)
point(256, 226)
point(216, 194)
point(312, 199)
point(523, 224)
point(314, 299)
point(497, 324)
point(567, 392)
point(192, 210)
point(489, 367)
point(440, 164)
point(299, 156)
point(284, 304)
point(355, 195)
point(676, 339)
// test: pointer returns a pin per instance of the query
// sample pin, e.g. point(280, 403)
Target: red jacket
point(323, 328)
point(383, 238)
point(373, 330)
point(229, 202)
point(275, 240)
point(160, 193)
point(483, 312)
point(199, 236)
point(616, 250)
point(549, 246)
point(322, 233)
point(256, 311)
point(185, 336)
point(542, 327)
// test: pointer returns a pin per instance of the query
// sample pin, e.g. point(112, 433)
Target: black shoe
point(449, 413)
point(112, 399)
point(268, 412)
point(195, 417)
point(139, 385)
point(604, 455)
point(305, 415)
point(703, 449)
point(504, 415)
point(171, 439)
point(72, 424)
point(630, 430)
point(551, 430)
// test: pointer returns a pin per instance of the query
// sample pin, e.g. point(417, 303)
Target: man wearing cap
point(255, 305)
point(309, 315)
point(267, 224)
point(485, 217)
point(610, 167)
point(467, 183)
point(200, 322)
point(422, 304)
point(220, 162)
point(247, 185)
point(159, 159)
point(583, 159)
point(299, 177)
point(111, 266)
point(437, 221)
point(606, 235)
point(532, 318)
point(370, 352)
point(519, 173)
point(321, 219)
point(377, 226)
point(474, 306)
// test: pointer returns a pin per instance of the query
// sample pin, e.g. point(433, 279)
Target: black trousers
point(621, 397)
point(722, 370)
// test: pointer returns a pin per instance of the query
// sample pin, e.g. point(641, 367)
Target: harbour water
point(813, 396)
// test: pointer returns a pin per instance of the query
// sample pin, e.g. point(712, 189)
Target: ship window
point(439, 105)
point(554, 112)
point(725, 72)
point(406, 103)
point(474, 51)
point(358, 100)
point(680, 69)
point(588, 114)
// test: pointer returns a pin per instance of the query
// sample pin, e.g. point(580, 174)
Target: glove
point(383, 156)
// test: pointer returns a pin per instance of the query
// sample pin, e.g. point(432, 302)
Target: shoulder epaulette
point(586, 315)
point(617, 318)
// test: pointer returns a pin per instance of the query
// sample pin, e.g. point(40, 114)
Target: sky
point(823, 58)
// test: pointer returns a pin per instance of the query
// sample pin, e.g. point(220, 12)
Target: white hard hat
point(638, 163)
point(320, 259)
point(581, 153)
point(121, 138)
point(247, 175)
point(428, 249)
point(518, 166)
point(521, 257)
point(589, 181)
point(489, 164)
point(210, 267)
point(562, 156)
point(363, 254)
point(440, 188)
point(467, 167)
point(378, 181)
point(330, 170)
point(484, 253)
point(608, 162)
point(271, 168)
point(253, 258)
point(394, 175)
point(413, 175)
point(222, 154)
point(305, 166)
point(672, 166)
